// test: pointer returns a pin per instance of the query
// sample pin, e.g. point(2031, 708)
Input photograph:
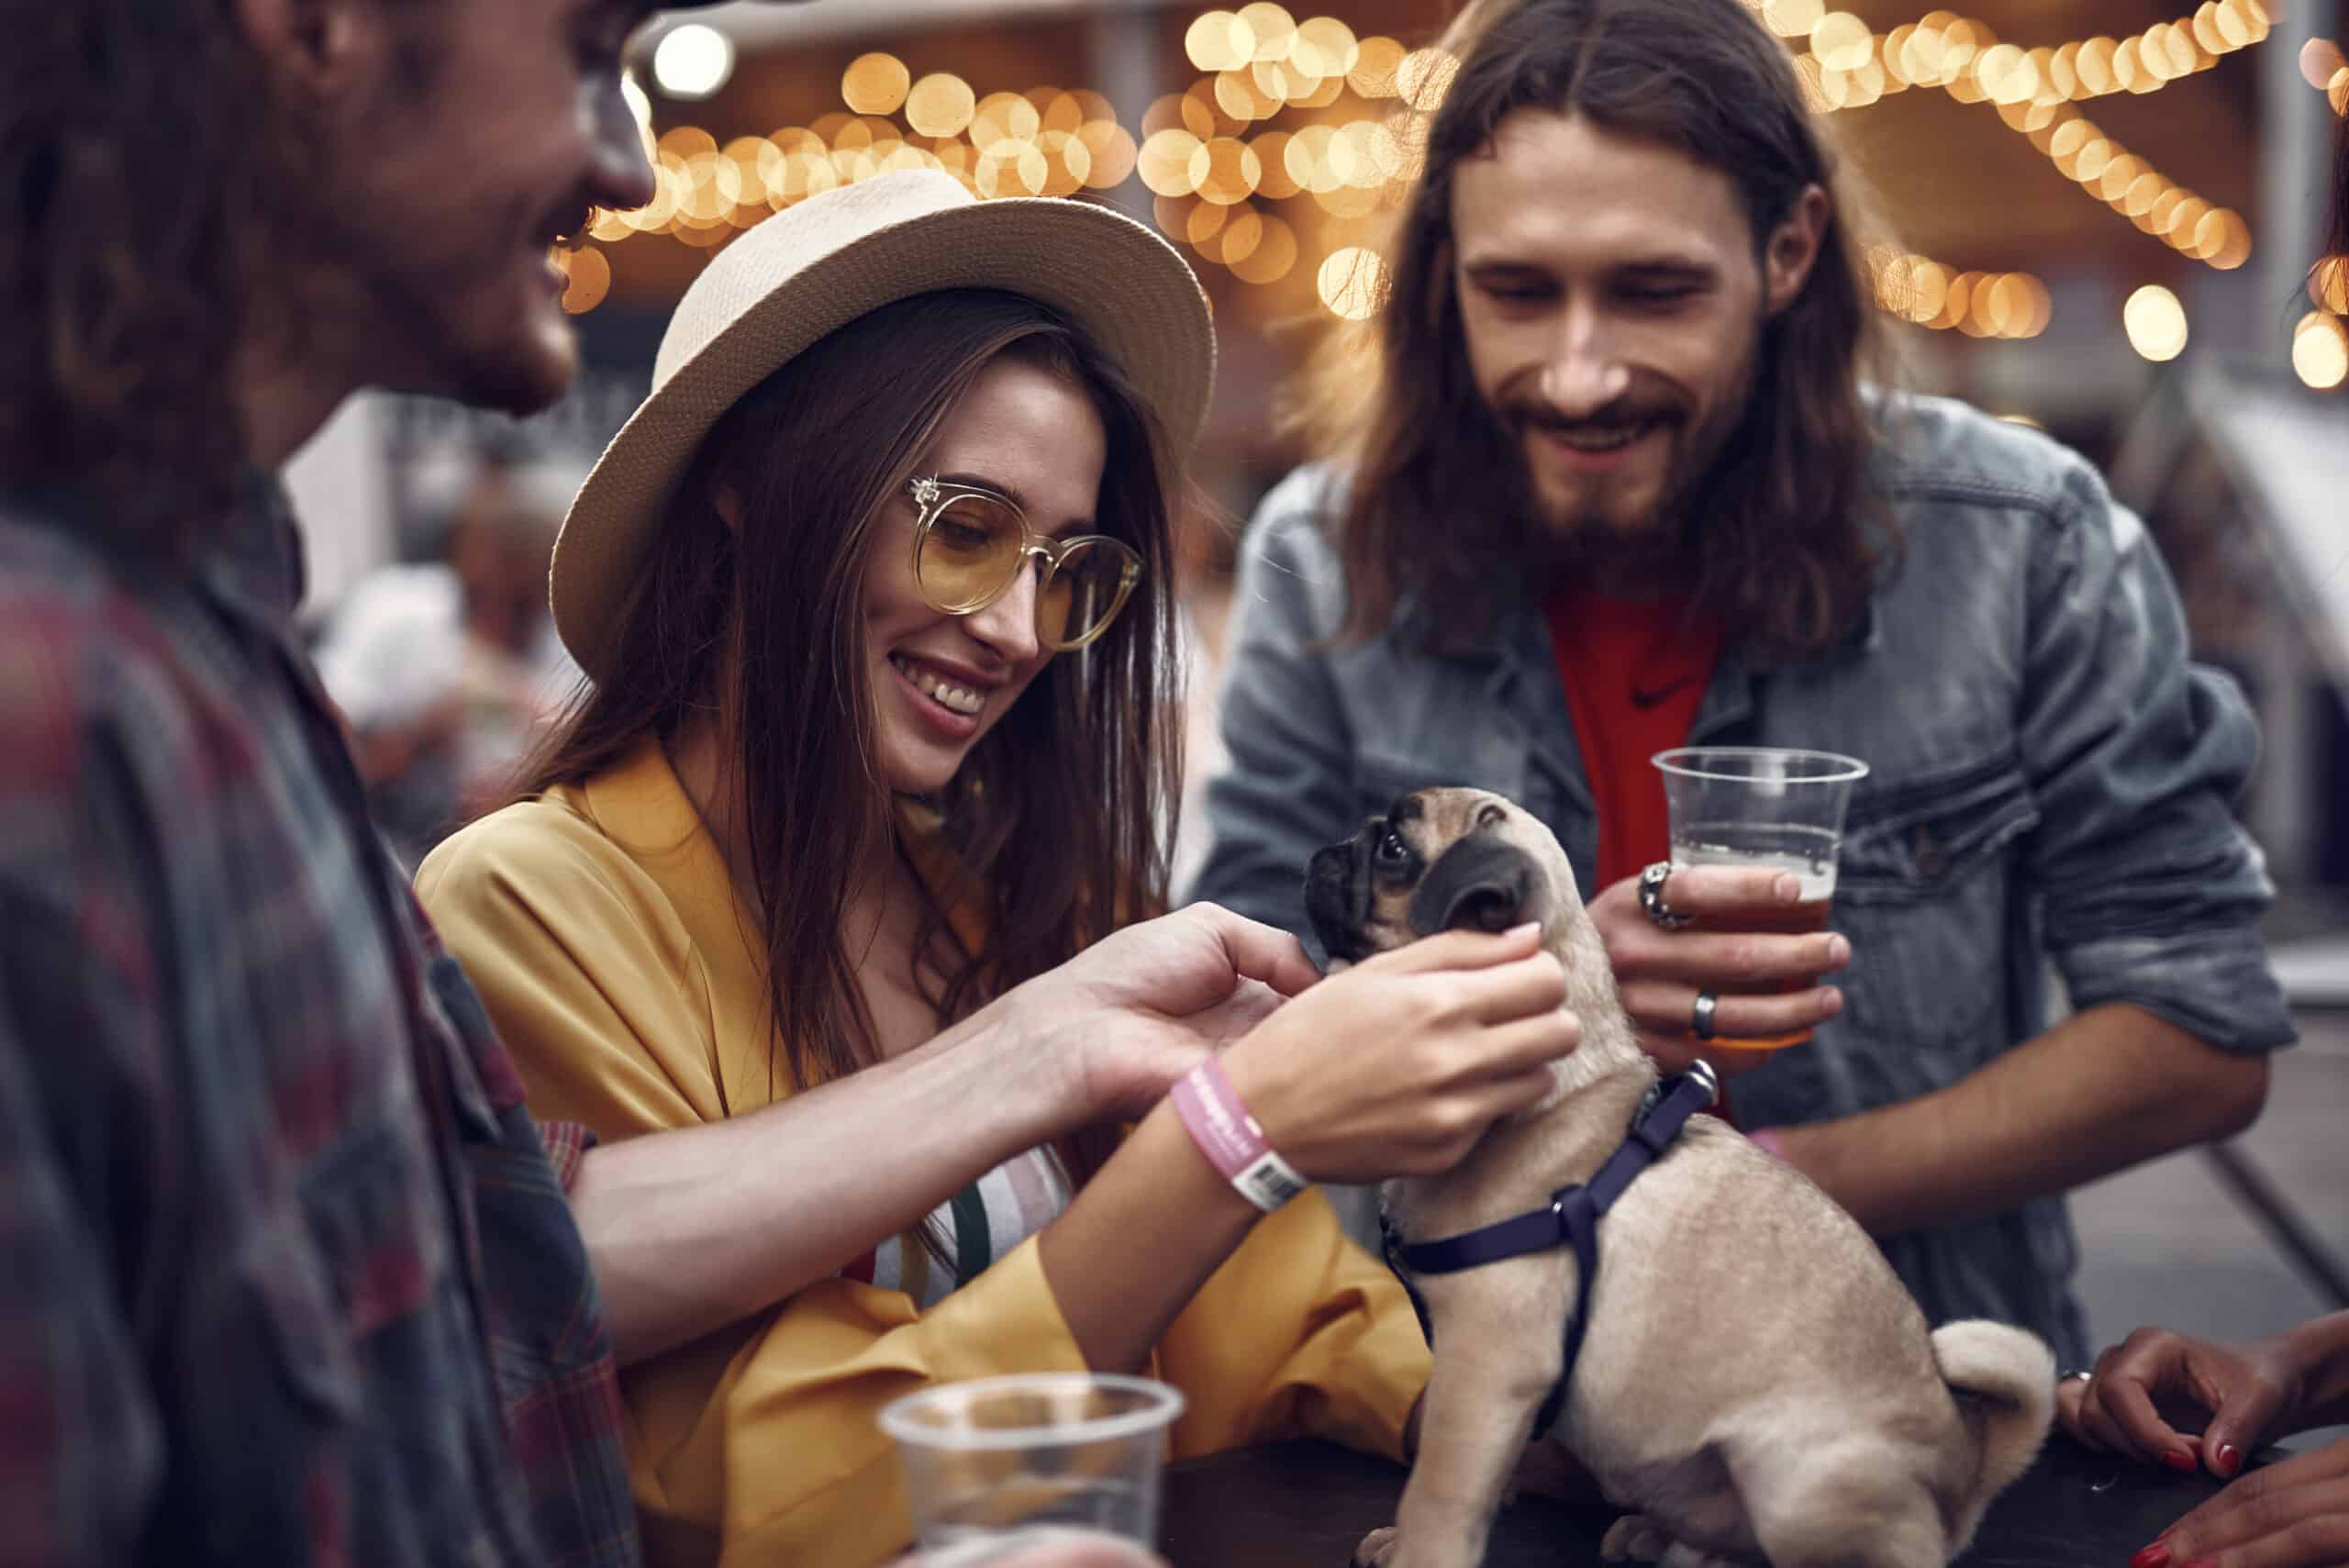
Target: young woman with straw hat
point(874, 592)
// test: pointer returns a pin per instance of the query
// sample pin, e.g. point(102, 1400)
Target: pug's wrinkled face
point(1438, 860)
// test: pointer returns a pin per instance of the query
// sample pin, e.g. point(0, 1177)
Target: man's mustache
point(1534, 414)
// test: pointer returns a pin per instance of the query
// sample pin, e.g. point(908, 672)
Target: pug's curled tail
point(2005, 1377)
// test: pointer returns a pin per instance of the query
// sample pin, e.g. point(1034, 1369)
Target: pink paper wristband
point(1767, 1141)
point(1231, 1138)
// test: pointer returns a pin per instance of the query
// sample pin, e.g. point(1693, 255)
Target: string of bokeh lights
point(1849, 67)
point(1217, 169)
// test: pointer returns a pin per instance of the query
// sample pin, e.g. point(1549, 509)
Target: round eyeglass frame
point(932, 496)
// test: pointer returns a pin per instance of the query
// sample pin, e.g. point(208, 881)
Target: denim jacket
point(2050, 784)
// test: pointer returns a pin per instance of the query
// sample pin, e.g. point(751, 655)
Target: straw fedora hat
point(818, 266)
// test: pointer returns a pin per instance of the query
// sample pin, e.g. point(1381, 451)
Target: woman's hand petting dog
point(1659, 972)
point(1398, 1064)
point(1139, 1008)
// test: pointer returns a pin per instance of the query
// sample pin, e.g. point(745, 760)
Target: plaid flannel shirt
point(286, 1275)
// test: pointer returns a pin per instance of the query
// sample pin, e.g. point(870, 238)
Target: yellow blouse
point(599, 924)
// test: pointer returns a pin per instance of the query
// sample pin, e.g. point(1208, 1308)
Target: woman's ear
point(728, 503)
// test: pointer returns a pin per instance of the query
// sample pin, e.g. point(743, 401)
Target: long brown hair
point(1436, 508)
point(1057, 814)
point(139, 150)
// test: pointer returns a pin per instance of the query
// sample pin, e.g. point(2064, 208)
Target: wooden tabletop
point(1304, 1505)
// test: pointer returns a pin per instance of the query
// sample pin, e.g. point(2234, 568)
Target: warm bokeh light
point(1353, 282)
point(693, 61)
point(941, 105)
point(2156, 323)
point(1842, 41)
point(1113, 153)
point(2329, 284)
point(1424, 77)
point(1242, 98)
point(1225, 171)
point(1003, 115)
point(591, 279)
point(1792, 18)
point(1165, 162)
point(1274, 27)
point(1374, 69)
point(875, 84)
point(1219, 40)
point(2320, 60)
point(1325, 46)
point(1273, 256)
point(1011, 166)
point(2321, 351)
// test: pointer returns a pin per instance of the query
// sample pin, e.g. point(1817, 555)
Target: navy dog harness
point(1574, 1213)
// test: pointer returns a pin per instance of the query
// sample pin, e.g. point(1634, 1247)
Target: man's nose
point(619, 175)
point(1585, 371)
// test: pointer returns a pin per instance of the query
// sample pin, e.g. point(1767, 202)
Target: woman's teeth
point(958, 699)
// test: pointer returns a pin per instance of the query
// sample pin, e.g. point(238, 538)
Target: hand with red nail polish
point(2169, 1398)
point(2293, 1514)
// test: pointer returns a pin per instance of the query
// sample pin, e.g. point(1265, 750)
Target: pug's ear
point(1480, 884)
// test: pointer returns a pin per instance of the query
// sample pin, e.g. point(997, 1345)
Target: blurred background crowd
point(2093, 215)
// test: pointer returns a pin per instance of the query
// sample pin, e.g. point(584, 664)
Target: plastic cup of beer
point(1057, 1468)
point(1776, 807)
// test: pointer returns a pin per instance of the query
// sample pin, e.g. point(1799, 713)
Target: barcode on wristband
point(1269, 1182)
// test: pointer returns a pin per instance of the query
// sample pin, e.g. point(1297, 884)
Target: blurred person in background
point(287, 1276)
point(876, 590)
point(2169, 1398)
point(1602, 479)
point(446, 670)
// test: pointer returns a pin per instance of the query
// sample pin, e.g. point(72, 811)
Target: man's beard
point(1587, 536)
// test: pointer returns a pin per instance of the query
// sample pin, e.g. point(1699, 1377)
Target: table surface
point(1304, 1505)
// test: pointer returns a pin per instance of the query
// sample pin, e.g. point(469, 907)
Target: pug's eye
point(1390, 852)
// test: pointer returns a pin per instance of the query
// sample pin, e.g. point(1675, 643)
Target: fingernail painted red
point(2230, 1459)
point(2181, 1462)
point(2153, 1556)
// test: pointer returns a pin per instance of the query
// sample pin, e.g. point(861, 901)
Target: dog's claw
point(1376, 1549)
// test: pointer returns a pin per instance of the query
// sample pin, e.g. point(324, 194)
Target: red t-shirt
point(1634, 672)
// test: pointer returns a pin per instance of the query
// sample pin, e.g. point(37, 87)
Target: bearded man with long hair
point(1604, 477)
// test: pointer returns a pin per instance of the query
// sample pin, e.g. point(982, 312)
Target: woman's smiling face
point(941, 681)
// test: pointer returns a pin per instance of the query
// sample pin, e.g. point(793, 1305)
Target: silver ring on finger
point(1652, 901)
point(1700, 1017)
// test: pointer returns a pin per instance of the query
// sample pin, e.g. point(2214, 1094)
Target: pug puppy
point(1755, 1383)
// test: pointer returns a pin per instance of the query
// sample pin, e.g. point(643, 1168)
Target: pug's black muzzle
point(1480, 883)
point(1337, 895)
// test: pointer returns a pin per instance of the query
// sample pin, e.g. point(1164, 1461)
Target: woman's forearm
point(1140, 1240)
point(693, 1229)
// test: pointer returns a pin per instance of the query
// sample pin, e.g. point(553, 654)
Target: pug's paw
point(1377, 1549)
point(1634, 1538)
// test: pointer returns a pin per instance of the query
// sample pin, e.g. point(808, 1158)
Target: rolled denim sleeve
point(2151, 891)
point(1286, 789)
